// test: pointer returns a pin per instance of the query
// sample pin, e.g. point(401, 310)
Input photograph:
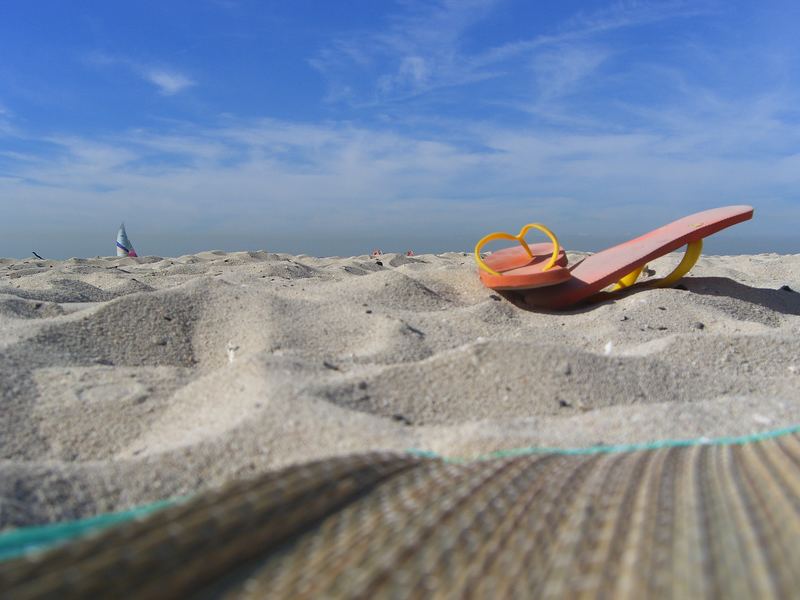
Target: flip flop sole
point(520, 272)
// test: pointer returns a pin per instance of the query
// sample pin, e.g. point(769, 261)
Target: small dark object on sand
point(37, 256)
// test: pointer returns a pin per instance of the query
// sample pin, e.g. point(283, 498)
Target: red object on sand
point(560, 286)
point(517, 271)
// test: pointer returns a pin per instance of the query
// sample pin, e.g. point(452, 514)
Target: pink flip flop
point(541, 275)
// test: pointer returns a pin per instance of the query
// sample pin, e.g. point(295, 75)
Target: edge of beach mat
point(18, 542)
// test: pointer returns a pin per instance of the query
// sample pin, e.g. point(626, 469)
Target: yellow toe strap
point(520, 237)
point(628, 280)
point(693, 251)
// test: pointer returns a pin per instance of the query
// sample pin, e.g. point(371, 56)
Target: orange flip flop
point(541, 276)
point(525, 266)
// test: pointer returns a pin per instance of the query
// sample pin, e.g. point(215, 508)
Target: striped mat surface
point(704, 521)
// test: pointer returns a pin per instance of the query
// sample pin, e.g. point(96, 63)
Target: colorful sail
point(124, 246)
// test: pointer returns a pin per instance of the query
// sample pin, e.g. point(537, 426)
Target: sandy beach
point(129, 380)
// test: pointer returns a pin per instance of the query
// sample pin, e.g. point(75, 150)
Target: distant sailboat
point(124, 246)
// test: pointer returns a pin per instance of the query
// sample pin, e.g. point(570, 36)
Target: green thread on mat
point(20, 541)
point(17, 542)
point(731, 440)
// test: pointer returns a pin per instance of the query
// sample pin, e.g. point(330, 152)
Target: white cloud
point(282, 178)
point(169, 83)
point(414, 73)
point(5, 120)
point(167, 80)
point(634, 13)
point(421, 50)
point(416, 52)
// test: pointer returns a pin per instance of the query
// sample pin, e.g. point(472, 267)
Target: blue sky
point(334, 127)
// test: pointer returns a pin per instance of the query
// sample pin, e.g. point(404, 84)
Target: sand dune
point(124, 381)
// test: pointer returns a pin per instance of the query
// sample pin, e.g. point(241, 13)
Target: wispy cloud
point(560, 71)
point(421, 50)
point(168, 81)
point(633, 13)
point(271, 176)
point(416, 52)
point(6, 120)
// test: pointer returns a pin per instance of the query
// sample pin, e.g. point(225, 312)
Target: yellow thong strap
point(520, 237)
point(693, 251)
